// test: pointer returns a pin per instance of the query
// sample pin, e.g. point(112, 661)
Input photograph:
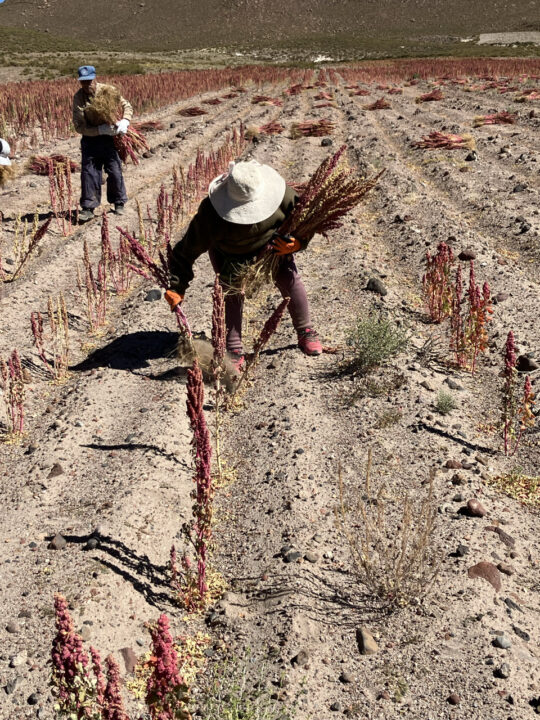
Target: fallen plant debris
point(447, 141)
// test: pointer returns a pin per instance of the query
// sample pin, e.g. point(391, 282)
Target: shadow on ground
point(131, 351)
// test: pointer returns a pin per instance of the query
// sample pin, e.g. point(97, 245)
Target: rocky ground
point(106, 460)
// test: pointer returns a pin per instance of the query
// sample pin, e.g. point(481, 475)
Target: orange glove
point(173, 298)
point(284, 246)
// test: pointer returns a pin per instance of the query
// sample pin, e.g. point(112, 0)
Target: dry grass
point(7, 173)
point(104, 107)
point(392, 551)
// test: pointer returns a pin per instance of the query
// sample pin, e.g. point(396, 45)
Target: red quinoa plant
point(56, 356)
point(12, 384)
point(437, 282)
point(517, 414)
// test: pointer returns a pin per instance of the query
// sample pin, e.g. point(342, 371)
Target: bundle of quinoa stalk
point(7, 173)
point(333, 190)
point(39, 164)
point(105, 108)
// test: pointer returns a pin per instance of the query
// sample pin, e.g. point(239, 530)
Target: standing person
point(234, 223)
point(6, 171)
point(97, 146)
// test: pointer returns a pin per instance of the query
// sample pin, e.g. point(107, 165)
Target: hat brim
point(5, 161)
point(87, 77)
point(246, 213)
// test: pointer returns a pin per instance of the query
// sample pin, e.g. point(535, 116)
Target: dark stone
point(301, 658)
point(130, 659)
point(56, 470)
point(335, 707)
point(487, 571)
point(520, 187)
point(292, 556)
point(33, 699)
point(153, 295)
point(502, 642)
point(377, 286)
point(326, 142)
point(467, 254)
point(472, 156)
point(57, 543)
point(10, 686)
point(521, 633)
point(147, 154)
point(172, 125)
point(453, 464)
point(500, 297)
point(91, 544)
point(526, 364)
point(524, 227)
point(346, 677)
point(475, 508)
point(13, 627)
point(462, 550)
point(454, 699)
point(506, 569)
point(503, 671)
point(504, 537)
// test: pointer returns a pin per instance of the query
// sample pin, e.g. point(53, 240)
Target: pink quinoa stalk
point(218, 324)
point(510, 373)
point(166, 692)
point(101, 683)
point(457, 342)
point(71, 681)
point(113, 706)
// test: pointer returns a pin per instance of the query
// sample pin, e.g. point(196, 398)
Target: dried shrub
point(500, 118)
point(7, 174)
point(54, 348)
point(393, 558)
point(373, 340)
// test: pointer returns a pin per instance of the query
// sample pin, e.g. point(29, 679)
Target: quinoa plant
point(517, 414)
point(479, 311)
point(437, 283)
point(72, 683)
point(56, 356)
point(95, 289)
point(112, 703)
point(12, 385)
point(166, 691)
point(24, 247)
point(218, 345)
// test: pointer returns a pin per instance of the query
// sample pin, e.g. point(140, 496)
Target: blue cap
point(87, 72)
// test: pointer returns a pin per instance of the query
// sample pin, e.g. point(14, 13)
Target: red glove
point(173, 298)
point(284, 246)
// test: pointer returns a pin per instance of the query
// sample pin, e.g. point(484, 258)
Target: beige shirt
point(81, 101)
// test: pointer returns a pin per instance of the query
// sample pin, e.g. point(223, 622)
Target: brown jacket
point(208, 230)
point(81, 101)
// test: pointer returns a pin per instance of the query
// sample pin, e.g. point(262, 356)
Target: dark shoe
point(119, 208)
point(86, 215)
point(308, 342)
point(237, 359)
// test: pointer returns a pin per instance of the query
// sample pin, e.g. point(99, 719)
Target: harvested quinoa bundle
point(131, 146)
point(193, 111)
point(39, 164)
point(333, 190)
point(105, 107)
point(147, 125)
point(318, 128)
point(501, 118)
point(380, 104)
point(272, 128)
point(430, 97)
point(212, 101)
point(7, 174)
point(447, 141)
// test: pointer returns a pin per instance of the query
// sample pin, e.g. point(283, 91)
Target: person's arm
point(79, 119)
point(195, 242)
point(127, 113)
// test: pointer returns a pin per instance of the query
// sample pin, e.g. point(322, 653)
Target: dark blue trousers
point(98, 154)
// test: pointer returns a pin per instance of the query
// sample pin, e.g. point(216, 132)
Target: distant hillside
point(178, 24)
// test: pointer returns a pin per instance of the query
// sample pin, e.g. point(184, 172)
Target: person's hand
point(122, 126)
point(282, 246)
point(173, 298)
point(107, 129)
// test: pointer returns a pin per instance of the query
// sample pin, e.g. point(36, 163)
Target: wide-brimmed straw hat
point(248, 193)
point(4, 152)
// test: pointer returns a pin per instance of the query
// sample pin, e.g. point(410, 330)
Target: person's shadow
point(132, 351)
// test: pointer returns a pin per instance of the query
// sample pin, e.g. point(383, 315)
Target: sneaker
point(119, 208)
point(308, 342)
point(237, 359)
point(85, 215)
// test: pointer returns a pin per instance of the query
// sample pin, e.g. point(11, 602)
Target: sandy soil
point(107, 455)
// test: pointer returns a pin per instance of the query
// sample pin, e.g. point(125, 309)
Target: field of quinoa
point(363, 541)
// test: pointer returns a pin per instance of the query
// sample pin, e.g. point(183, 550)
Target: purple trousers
point(98, 154)
point(289, 284)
